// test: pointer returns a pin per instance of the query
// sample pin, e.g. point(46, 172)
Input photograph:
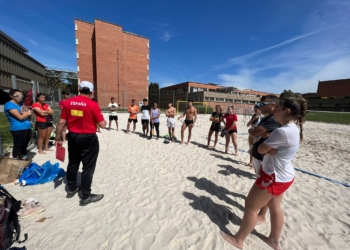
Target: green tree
point(72, 85)
point(153, 92)
point(287, 93)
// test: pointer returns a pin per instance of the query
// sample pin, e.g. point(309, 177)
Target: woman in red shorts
point(276, 172)
point(43, 123)
point(231, 129)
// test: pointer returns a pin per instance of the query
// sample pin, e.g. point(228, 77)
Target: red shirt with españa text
point(82, 114)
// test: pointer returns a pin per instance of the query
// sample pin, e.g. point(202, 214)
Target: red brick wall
point(84, 48)
point(99, 63)
point(136, 61)
point(338, 88)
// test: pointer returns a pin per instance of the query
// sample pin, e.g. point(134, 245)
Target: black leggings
point(21, 139)
point(156, 124)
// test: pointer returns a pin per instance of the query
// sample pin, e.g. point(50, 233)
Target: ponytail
point(297, 106)
point(301, 119)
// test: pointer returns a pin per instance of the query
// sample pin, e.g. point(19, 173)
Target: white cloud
point(166, 36)
point(321, 52)
point(33, 42)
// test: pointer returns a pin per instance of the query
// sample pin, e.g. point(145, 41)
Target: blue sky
point(264, 45)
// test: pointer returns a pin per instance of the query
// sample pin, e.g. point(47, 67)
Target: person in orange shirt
point(133, 110)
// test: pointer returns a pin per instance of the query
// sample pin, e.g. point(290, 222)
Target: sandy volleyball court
point(171, 196)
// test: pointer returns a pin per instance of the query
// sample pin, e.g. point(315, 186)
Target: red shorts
point(268, 182)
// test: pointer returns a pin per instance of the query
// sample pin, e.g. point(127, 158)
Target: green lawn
point(5, 131)
point(339, 117)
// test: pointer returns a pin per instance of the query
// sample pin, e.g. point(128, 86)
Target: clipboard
point(60, 152)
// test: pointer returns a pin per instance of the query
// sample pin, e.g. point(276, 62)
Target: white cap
point(87, 84)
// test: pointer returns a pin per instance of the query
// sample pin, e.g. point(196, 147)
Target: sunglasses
point(262, 104)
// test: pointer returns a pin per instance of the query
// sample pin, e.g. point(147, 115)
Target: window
point(236, 100)
point(252, 102)
point(76, 41)
point(148, 44)
point(77, 68)
point(212, 98)
point(245, 101)
point(206, 98)
point(221, 99)
point(229, 100)
point(77, 55)
point(147, 67)
point(147, 80)
point(76, 27)
point(147, 56)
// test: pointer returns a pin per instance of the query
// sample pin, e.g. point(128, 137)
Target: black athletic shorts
point(188, 122)
point(43, 125)
point(215, 127)
point(232, 131)
point(145, 122)
point(113, 117)
point(132, 120)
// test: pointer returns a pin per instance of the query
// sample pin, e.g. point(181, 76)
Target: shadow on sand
point(218, 191)
point(238, 172)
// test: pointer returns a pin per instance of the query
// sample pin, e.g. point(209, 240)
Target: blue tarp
point(35, 174)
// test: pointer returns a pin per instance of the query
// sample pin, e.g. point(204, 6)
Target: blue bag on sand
point(35, 174)
point(51, 172)
point(31, 174)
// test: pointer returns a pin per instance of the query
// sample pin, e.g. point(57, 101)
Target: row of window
point(21, 58)
point(18, 70)
point(207, 98)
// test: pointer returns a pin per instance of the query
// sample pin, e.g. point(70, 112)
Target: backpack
point(10, 229)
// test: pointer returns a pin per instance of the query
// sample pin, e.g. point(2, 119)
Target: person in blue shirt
point(20, 126)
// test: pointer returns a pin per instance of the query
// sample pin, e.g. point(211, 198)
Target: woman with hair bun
point(276, 172)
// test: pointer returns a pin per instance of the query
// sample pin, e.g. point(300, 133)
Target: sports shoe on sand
point(91, 198)
point(70, 194)
point(30, 210)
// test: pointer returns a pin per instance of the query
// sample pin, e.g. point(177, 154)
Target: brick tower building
point(115, 61)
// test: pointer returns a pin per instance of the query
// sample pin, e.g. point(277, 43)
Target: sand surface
point(171, 196)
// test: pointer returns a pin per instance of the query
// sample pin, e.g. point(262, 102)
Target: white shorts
point(171, 122)
point(256, 166)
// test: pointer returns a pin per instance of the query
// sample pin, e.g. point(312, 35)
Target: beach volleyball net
point(202, 107)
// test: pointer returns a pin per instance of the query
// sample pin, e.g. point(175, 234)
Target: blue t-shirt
point(15, 124)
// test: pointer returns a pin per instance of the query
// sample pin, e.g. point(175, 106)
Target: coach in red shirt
point(81, 114)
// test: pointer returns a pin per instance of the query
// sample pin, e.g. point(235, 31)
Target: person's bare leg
point(209, 137)
point(116, 124)
point(172, 134)
point(189, 134)
point(250, 141)
point(169, 132)
point(227, 136)
point(256, 199)
point(216, 139)
point(277, 222)
point(134, 128)
point(144, 128)
point(47, 139)
point(110, 124)
point(64, 134)
point(234, 140)
point(147, 127)
point(128, 127)
point(41, 139)
point(183, 128)
point(262, 215)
